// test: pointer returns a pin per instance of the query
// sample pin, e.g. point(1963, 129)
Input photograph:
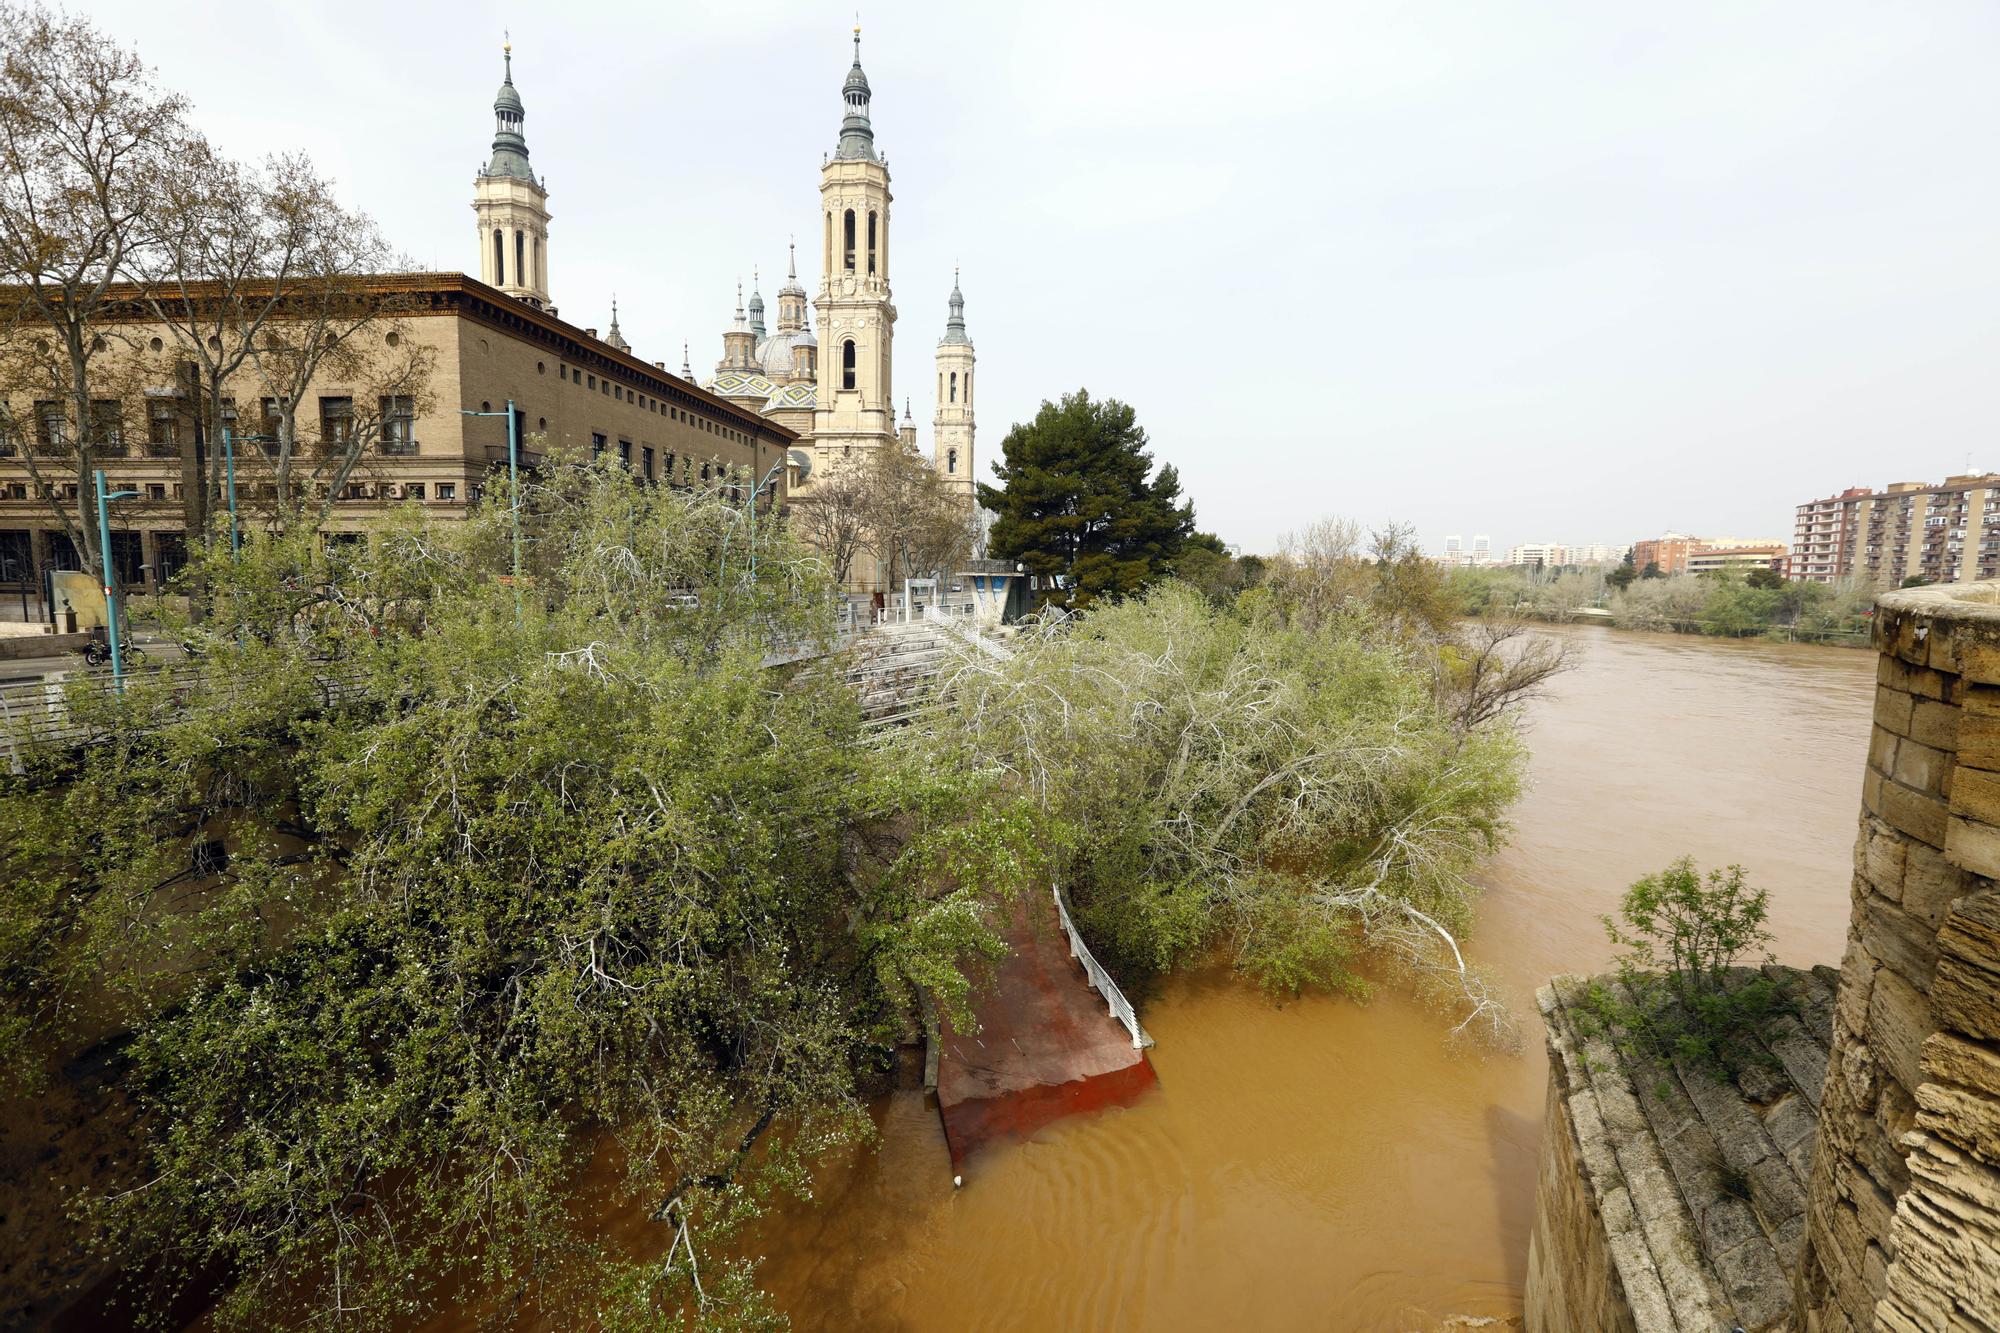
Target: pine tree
point(1075, 503)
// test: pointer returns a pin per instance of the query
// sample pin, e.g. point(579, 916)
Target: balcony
point(497, 453)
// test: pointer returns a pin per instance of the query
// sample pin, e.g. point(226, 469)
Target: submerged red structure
point(1046, 1047)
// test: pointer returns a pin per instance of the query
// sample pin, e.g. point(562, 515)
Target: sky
point(1557, 271)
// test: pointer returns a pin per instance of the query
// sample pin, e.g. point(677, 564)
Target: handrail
point(1100, 980)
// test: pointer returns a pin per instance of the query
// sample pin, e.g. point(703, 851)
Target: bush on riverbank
point(1290, 788)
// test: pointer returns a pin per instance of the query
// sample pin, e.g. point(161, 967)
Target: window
point(271, 427)
point(9, 442)
point(562, 372)
point(520, 259)
point(107, 425)
point(597, 443)
point(336, 420)
point(17, 490)
point(871, 243)
point(625, 452)
point(447, 490)
point(968, 388)
point(605, 387)
point(398, 425)
point(619, 393)
point(847, 364)
point(593, 383)
point(954, 387)
point(848, 262)
point(163, 433)
point(646, 461)
point(499, 259)
point(951, 460)
point(669, 473)
point(541, 368)
point(826, 260)
point(413, 490)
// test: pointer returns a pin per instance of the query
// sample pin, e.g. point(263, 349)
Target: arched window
point(847, 360)
point(499, 259)
point(848, 263)
point(951, 460)
point(968, 388)
point(954, 386)
point(826, 261)
point(871, 243)
point(542, 274)
point(520, 258)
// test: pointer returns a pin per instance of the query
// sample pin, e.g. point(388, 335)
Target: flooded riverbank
point(1328, 1165)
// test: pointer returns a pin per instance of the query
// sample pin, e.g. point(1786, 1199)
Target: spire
point(791, 287)
point(908, 420)
point(954, 327)
point(741, 323)
point(687, 371)
point(510, 149)
point(615, 338)
point(756, 304)
point(857, 137)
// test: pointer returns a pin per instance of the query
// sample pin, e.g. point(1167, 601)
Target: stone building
point(1654, 1216)
point(490, 340)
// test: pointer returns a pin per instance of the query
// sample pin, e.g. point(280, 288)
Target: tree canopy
point(409, 905)
point(1080, 505)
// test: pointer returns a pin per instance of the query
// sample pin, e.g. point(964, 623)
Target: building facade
point(485, 342)
point(1908, 531)
point(1738, 558)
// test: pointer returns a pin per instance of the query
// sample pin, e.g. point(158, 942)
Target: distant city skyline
point(1670, 269)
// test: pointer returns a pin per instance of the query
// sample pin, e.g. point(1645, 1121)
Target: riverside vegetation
point(1759, 604)
point(379, 969)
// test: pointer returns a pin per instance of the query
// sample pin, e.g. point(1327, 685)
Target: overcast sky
point(1548, 271)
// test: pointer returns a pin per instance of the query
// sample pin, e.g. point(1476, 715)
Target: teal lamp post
point(513, 485)
point(104, 500)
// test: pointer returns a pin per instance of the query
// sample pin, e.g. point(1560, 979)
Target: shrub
point(1681, 993)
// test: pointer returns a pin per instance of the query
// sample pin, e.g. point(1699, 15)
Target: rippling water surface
point(1327, 1165)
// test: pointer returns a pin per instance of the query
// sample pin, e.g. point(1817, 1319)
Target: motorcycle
point(98, 651)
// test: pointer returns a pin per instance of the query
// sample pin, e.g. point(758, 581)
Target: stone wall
point(1573, 1284)
point(1903, 1218)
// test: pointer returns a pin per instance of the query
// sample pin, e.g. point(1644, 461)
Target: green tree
point(1652, 571)
point(412, 905)
point(1681, 992)
point(1080, 505)
point(1761, 577)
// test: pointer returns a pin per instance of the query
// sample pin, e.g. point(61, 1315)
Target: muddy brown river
point(1325, 1164)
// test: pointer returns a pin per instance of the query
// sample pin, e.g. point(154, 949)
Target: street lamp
point(229, 464)
point(514, 485)
point(792, 458)
point(104, 500)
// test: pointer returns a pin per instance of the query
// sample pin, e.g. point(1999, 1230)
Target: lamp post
point(104, 500)
point(756, 491)
point(229, 467)
point(513, 485)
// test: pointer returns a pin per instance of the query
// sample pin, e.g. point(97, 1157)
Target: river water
point(1329, 1165)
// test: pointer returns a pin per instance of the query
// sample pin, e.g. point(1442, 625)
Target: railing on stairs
point(1100, 980)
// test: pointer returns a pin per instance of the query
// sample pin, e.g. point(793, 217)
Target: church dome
point(774, 354)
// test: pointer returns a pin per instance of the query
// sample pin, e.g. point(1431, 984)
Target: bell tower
point(951, 429)
point(511, 205)
point(856, 315)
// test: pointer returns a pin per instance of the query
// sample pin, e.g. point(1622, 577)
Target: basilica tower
point(951, 429)
point(512, 206)
point(856, 316)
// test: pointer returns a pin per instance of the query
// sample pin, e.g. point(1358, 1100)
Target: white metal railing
point(1100, 980)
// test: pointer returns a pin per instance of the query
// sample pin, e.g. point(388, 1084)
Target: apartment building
point(1739, 557)
point(1947, 532)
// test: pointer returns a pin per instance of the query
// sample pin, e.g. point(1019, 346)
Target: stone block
point(1971, 930)
point(1983, 700)
point(1918, 814)
point(1932, 881)
point(1973, 845)
point(1879, 853)
point(1898, 941)
point(1857, 978)
point(1950, 1058)
point(1977, 659)
point(1900, 675)
point(1974, 794)
point(1934, 724)
point(1871, 792)
point(1893, 709)
point(1923, 767)
point(1899, 1018)
point(1978, 740)
point(1963, 997)
point(1882, 748)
